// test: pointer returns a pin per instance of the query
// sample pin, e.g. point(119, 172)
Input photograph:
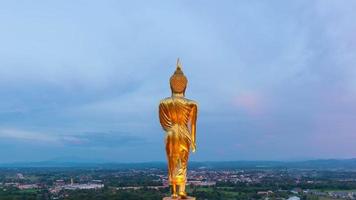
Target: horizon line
point(193, 161)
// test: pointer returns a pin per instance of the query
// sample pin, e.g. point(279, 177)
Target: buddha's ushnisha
point(178, 116)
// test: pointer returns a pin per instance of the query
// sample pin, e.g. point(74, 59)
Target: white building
point(88, 186)
point(293, 198)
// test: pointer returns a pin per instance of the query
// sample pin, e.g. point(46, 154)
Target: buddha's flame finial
point(179, 65)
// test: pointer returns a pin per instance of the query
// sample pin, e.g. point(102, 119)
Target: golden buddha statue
point(178, 117)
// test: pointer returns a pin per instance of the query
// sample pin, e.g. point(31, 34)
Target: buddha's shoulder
point(185, 100)
point(192, 102)
point(166, 100)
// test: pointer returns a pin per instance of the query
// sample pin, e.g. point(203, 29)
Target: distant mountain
point(73, 164)
point(308, 164)
point(347, 164)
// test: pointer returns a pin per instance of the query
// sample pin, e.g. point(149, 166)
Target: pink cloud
point(250, 102)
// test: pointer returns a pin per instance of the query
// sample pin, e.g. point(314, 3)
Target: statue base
point(187, 198)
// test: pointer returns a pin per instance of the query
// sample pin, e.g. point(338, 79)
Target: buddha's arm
point(163, 116)
point(194, 114)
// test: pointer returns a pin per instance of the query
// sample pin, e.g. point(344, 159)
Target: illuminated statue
point(178, 117)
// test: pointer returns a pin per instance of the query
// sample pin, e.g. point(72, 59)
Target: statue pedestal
point(187, 198)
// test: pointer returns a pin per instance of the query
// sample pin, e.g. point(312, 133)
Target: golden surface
point(178, 116)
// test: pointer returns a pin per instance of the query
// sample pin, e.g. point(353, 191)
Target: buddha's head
point(178, 81)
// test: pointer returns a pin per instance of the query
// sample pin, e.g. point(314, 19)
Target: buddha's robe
point(178, 118)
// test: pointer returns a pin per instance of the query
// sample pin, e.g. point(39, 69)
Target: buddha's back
point(176, 110)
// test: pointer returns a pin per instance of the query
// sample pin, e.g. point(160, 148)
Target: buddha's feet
point(183, 195)
point(179, 198)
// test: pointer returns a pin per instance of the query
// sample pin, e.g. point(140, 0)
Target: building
point(293, 198)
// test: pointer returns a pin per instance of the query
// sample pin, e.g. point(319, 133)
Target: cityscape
point(214, 181)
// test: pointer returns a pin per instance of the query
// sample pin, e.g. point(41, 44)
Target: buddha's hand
point(194, 147)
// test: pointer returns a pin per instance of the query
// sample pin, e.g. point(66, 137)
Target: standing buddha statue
point(178, 116)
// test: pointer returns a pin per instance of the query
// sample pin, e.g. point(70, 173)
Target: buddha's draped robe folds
point(178, 117)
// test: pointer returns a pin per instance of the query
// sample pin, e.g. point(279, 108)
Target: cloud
point(28, 136)
point(110, 139)
point(90, 76)
point(86, 139)
point(251, 102)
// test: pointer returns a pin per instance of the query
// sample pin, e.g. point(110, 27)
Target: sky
point(81, 80)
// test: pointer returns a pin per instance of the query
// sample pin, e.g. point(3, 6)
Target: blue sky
point(81, 80)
